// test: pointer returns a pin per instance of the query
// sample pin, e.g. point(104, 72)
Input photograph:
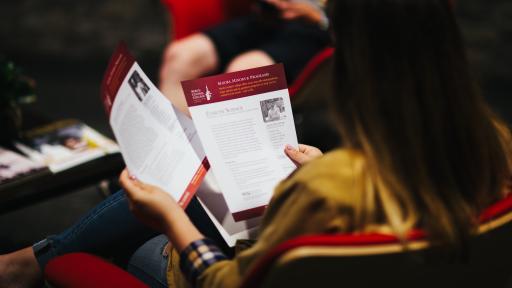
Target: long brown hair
point(404, 96)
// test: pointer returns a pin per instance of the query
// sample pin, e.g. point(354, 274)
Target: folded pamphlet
point(242, 120)
point(154, 143)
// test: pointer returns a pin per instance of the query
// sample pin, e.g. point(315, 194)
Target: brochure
point(159, 146)
point(14, 165)
point(246, 119)
point(64, 144)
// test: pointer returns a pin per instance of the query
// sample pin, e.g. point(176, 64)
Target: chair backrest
point(377, 260)
point(310, 68)
point(190, 16)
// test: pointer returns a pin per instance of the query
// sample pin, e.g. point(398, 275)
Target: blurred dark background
point(65, 46)
point(487, 28)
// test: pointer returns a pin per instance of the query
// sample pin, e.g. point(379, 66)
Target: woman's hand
point(297, 10)
point(150, 204)
point(303, 155)
point(157, 209)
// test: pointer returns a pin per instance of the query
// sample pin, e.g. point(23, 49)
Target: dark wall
point(65, 46)
point(82, 29)
point(487, 28)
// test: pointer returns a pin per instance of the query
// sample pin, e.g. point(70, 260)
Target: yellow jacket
point(318, 198)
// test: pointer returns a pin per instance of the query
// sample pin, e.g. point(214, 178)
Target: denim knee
point(149, 263)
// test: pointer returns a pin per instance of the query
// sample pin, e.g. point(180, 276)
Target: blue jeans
point(111, 231)
point(149, 262)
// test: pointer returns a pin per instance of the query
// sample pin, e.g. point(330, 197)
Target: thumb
point(295, 155)
point(131, 186)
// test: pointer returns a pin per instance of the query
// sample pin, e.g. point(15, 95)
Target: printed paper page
point(151, 138)
point(244, 119)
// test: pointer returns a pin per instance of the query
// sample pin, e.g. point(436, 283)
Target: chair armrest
point(79, 270)
point(306, 73)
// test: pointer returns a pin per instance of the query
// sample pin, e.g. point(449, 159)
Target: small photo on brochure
point(139, 87)
point(272, 109)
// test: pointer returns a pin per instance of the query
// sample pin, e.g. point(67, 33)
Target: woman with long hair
point(421, 149)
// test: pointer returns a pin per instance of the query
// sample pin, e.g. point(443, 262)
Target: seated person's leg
point(250, 59)
point(294, 44)
point(153, 262)
point(149, 262)
point(250, 42)
point(20, 269)
point(108, 230)
point(235, 37)
point(186, 59)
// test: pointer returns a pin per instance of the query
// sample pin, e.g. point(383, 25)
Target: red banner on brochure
point(234, 85)
point(194, 184)
point(120, 63)
point(249, 213)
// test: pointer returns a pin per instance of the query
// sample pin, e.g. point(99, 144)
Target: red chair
point(191, 16)
point(81, 270)
point(362, 260)
point(378, 260)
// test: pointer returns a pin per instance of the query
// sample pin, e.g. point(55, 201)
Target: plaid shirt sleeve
point(198, 256)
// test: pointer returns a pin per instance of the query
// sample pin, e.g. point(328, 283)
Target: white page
point(191, 132)
point(246, 120)
point(152, 141)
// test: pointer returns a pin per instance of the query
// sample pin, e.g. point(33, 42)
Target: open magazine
point(162, 146)
point(14, 165)
point(64, 144)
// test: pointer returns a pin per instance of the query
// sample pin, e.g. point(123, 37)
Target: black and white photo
point(138, 85)
point(272, 109)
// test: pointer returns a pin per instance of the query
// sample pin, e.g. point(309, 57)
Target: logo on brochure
point(208, 94)
point(199, 95)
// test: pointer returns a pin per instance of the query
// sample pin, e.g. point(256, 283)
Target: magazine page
point(246, 119)
point(14, 165)
point(64, 144)
point(153, 143)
